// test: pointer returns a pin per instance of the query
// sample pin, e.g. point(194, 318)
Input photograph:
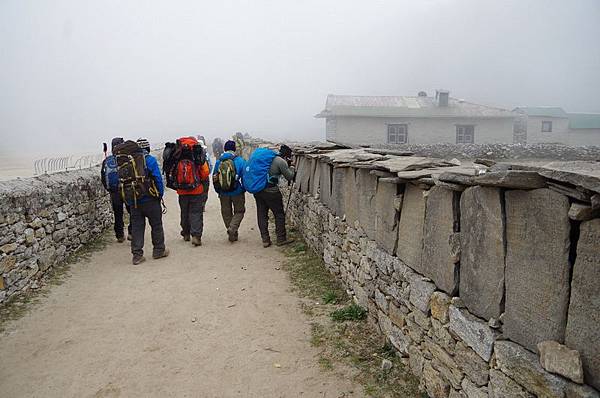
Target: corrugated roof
point(403, 106)
point(547, 111)
point(584, 120)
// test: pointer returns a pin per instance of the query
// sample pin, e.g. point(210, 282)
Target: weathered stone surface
point(502, 386)
point(325, 183)
point(475, 368)
point(303, 172)
point(435, 385)
point(581, 212)
point(439, 304)
point(537, 266)
point(559, 359)
point(437, 259)
point(9, 247)
point(472, 391)
point(351, 195)
point(386, 217)
point(524, 367)
point(396, 315)
point(482, 251)
point(367, 190)
point(581, 391)
point(315, 174)
point(580, 173)
point(420, 292)
point(473, 332)
point(410, 229)
point(514, 179)
point(584, 308)
point(336, 203)
point(444, 363)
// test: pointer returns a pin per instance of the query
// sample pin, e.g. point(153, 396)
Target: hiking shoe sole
point(196, 241)
point(163, 254)
point(266, 244)
point(285, 242)
point(138, 260)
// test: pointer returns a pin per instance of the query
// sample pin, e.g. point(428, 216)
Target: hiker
point(227, 175)
point(110, 179)
point(141, 186)
point(261, 178)
point(217, 147)
point(189, 174)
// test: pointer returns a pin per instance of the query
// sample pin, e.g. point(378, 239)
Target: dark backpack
point(181, 166)
point(135, 181)
point(226, 177)
point(169, 161)
point(111, 173)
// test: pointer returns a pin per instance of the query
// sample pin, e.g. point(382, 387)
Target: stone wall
point(486, 284)
point(45, 219)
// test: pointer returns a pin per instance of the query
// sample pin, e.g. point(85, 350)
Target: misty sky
point(74, 73)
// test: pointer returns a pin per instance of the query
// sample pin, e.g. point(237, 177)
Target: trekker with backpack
point(187, 171)
point(110, 179)
point(261, 178)
point(227, 176)
point(141, 186)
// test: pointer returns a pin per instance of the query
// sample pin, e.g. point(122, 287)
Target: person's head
point(144, 144)
point(116, 141)
point(285, 152)
point(229, 146)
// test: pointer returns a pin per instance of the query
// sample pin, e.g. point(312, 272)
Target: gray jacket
point(279, 168)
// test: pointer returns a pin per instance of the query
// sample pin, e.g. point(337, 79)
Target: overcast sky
point(74, 73)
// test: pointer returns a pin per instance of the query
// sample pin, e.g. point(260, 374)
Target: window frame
point(546, 123)
point(401, 131)
point(462, 131)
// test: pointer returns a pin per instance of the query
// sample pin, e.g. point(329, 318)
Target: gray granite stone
point(386, 217)
point(473, 332)
point(410, 229)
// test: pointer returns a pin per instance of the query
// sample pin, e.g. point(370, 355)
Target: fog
point(75, 73)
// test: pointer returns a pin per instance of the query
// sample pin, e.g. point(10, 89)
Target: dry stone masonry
point(45, 219)
point(484, 276)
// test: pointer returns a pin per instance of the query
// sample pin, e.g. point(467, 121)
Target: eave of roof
point(543, 111)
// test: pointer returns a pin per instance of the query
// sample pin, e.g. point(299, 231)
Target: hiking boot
point(186, 238)
point(266, 243)
point(196, 241)
point(165, 253)
point(137, 260)
point(232, 236)
point(120, 239)
point(129, 237)
point(285, 242)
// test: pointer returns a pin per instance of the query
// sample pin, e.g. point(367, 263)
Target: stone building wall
point(45, 219)
point(488, 289)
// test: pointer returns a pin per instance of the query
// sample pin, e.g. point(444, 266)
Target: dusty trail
point(213, 321)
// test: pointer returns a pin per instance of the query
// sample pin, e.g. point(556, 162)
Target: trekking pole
point(105, 148)
point(291, 191)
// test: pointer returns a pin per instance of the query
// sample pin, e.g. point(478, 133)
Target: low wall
point(45, 219)
point(464, 274)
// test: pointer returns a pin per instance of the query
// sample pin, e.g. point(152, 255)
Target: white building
point(414, 120)
point(554, 125)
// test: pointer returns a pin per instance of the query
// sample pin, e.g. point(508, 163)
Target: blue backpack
point(256, 173)
point(111, 173)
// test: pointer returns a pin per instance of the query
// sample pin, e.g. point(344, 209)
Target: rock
point(584, 174)
point(386, 365)
point(9, 248)
point(386, 217)
point(437, 258)
point(475, 368)
point(325, 183)
point(410, 229)
point(502, 386)
point(581, 212)
point(456, 178)
point(381, 301)
point(482, 251)
point(397, 317)
point(513, 179)
point(439, 304)
point(436, 386)
point(577, 194)
point(584, 307)
point(7, 263)
point(40, 233)
point(351, 196)
point(420, 293)
point(581, 391)
point(61, 216)
point(537, 266)
point(472, 391)
point(336, 203)
point(524, 367)
point(444, 363)
point(494, 323)
point(367, 190)
point(457, 302)
point(415, 361)
point(559, 359)
point(1, 283)
point(315, 179)
point(473, 332)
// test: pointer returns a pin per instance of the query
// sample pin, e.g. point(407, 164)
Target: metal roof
point(404, 106)
point(544, 111)
point(584, 120)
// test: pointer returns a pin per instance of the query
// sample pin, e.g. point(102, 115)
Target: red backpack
point(190, 155)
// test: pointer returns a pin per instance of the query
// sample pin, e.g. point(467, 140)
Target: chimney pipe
point(442, 97)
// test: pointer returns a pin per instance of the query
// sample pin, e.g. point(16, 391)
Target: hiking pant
point(273, 201)
point(192, 214)
point(232, 210)
point(151, 210)
point(117, 206)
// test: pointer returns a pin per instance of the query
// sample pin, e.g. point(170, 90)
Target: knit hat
point(229, 146)
point(144, 144)
point(116, 141)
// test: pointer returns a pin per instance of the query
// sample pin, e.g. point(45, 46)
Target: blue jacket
point(154, 171)
point(240, 164)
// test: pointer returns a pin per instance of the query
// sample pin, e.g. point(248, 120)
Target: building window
point(465, 134)
point(397, 134)
point(546, 127)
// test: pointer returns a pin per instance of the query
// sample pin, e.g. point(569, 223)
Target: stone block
point(475, 368)
point(581, 212)
point(435, 385)
point(584, 308)
point(502, 386)
point(336, 203)
point(325, 183)
point(524, 367)
point(444, 363)
point(581, 391)
point(420, 292)
point(7, 263)
point(313, 187)
point(514, 179)
point(561, 360)
point(303, 172)
point(410, 227)
point(537, 266)
point(397, 316)
point(482, 251)
point(472, 391)
point(366, 186)
point(415, 360)
point(437, 258)
point(351, 195)
point(381, 301)
point(386, 217)
point(9, 248)
point(472, 331)
point(439, 304)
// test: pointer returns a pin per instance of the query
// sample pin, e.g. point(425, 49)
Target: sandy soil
point(213, 321)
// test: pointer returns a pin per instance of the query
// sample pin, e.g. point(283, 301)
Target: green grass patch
point(352, 312)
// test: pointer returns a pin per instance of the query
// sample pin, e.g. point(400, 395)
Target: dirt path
point(213, 321)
